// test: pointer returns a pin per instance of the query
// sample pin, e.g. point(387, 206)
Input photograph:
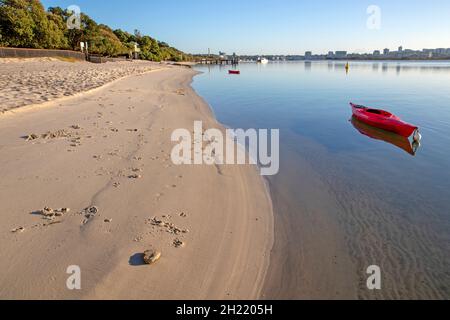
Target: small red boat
point(385, 120)
point(234, 72)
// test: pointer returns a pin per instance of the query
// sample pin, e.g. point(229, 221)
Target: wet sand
point(310, 258)
point(329, 229)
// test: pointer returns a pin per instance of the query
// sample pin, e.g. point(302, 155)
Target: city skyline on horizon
point(328, 51)
point(288, 27)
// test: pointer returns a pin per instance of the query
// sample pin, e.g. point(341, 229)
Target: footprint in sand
point(183, 215)
point(180, 92)
point(114, 153)
point(177, 243)
point(167, 226)
point(18, 230)
point(89, 213)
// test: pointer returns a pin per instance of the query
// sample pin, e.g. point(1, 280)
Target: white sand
point(37, 80)
point(228, 212)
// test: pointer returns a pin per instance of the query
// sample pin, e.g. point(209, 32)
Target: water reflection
point(389, 137)
point(308, 65)
point(386, 67)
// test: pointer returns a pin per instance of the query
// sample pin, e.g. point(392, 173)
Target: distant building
point(308, 55)
point(400, 49)
point(341, 54)
point(386, 52)
point(376, 53)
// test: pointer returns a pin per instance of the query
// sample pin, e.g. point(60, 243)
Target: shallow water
point(348, 196)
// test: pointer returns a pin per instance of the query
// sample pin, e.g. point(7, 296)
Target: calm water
point(348, 196)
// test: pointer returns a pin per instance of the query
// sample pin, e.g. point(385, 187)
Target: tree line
point(26, 24)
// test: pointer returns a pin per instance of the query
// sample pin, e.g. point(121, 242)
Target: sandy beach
point(37, 80)
point(105, 155)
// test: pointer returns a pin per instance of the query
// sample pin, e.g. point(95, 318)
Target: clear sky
point(276, 26)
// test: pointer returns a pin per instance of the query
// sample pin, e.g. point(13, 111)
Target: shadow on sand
point(137, 260)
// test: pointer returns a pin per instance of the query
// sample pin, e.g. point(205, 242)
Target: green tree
point(123, 36)
point(26, 23)
point(104, 41)
point(47, 32)
point(16, 24)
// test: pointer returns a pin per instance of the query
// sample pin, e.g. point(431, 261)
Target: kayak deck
point(384, 120)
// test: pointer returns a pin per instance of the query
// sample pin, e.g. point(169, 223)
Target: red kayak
point(385, 120)
point(234, 72)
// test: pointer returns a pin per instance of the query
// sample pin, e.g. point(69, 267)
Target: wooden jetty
point(219, 61)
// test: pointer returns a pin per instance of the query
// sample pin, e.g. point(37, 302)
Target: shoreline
point(227, 249)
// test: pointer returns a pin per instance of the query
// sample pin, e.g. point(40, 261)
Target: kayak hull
point(234, 72)
point(386, 136)
point(383, 120)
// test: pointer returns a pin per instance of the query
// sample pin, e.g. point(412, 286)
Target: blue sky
point(276, 26)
